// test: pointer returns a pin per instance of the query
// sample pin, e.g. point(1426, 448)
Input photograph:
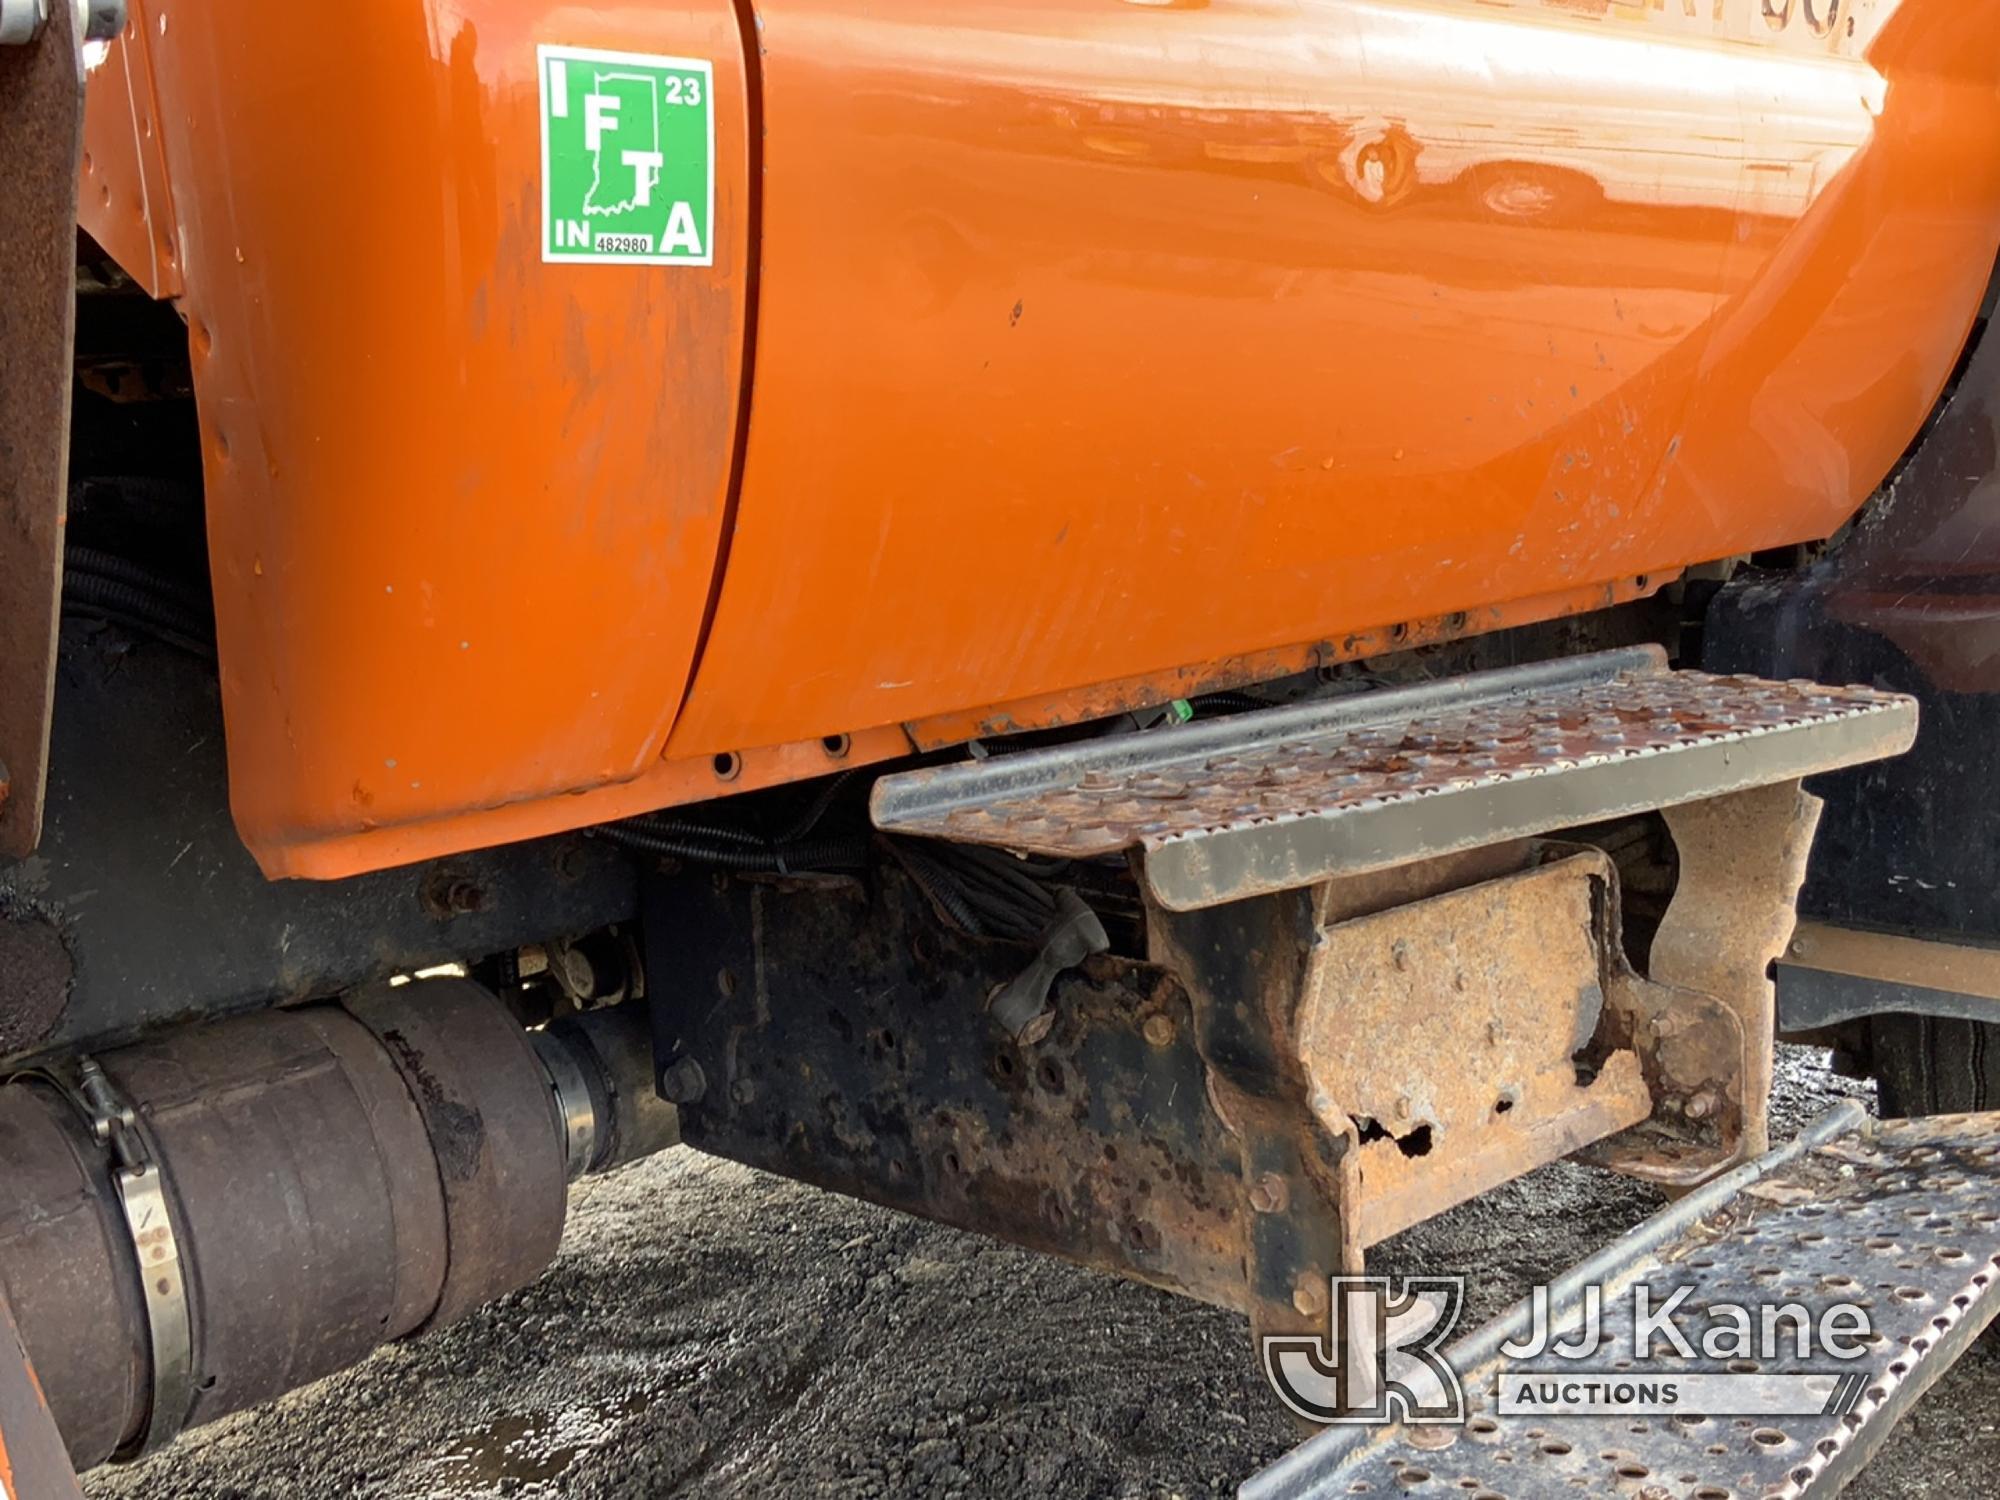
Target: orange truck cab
point(1031, 362)
point(870, 585)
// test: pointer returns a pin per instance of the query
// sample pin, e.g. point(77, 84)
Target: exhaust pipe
point(196, 1224)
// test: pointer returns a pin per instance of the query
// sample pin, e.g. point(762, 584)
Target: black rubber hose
point(985, 891)
point(1005, 867)
point(1041, 869)
point(1011, 925)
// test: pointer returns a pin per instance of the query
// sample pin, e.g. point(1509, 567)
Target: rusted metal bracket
point(34, 1465)
point(1237, 1118)
point(1742, 859)
point(836, 1033)
point(1385, 1046)
point(1333, 794)
point(41, 141)
point(1244, 966)
point(1369, 990)
point(1451, 1037)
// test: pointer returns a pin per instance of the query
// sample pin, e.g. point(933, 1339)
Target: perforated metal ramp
point(1281, 797)
point(1901, 1219)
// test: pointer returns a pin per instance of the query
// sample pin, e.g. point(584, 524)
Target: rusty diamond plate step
point(1281, 797)
point(1900, 1219)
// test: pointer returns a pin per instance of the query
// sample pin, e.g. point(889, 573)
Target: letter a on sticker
point(628, 157)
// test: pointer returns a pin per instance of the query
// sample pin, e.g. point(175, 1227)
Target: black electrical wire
point(1027, 904)
point(1006, 870)
point(979, 889)
point(1041, 869)
point(834, 853)
point(1229, 703)
point(729, 846)
point(697, 831)
point(986, 892)
point(936, 883)
point(183, 597)
point(817, 809)
point(131, 607)
point(693, 831)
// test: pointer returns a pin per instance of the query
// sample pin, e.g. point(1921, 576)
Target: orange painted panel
point(1097, 339)
point(1098, 344)
point(464, 506)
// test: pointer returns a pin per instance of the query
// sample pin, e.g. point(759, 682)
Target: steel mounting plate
point(1283, 797)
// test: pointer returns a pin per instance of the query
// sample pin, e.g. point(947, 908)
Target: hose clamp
point(162, 1278)
point(574, 1105)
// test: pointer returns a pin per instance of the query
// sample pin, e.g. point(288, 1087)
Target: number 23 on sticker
point(628, 157)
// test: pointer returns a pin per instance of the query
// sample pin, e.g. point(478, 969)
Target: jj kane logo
point(1383, 1358)
point(1639, 1351)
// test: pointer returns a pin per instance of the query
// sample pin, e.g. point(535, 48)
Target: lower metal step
point(1282, 797)
point(1900, 1219)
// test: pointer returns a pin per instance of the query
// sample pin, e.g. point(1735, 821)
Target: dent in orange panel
point(464, 506)
point(124, 201)
point(1095, 340)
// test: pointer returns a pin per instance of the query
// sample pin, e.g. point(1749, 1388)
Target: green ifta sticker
point(628, 157)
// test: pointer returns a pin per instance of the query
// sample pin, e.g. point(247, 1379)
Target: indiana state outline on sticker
point(628, 157)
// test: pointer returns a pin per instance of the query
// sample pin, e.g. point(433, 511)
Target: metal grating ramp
point(1282, 797)
point(1901, 1219)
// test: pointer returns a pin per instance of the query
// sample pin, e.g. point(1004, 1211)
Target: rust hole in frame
point(1413, 1143)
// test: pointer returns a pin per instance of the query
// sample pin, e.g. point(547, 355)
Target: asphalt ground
point(710, 1330)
